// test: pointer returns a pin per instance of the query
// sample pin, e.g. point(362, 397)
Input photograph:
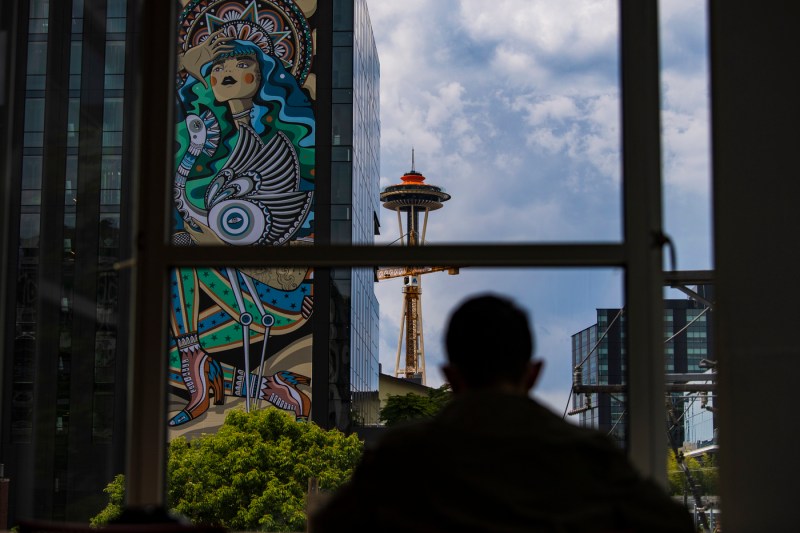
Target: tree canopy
point(405, 407)
point(253, 473)
point(704, 472)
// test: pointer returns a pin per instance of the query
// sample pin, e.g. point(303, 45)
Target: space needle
point(412, 198)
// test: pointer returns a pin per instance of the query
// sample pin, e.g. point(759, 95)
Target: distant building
point(388, 386)
point(698, 420)
point(599, 351)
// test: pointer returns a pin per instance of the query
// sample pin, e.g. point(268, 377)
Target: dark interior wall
point(755, 116)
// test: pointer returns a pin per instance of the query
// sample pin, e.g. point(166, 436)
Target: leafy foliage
point(116, 497)
point(401, 408)
point(253, 473)
point(704, 472)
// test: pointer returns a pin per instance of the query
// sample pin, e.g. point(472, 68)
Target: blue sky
point(513, 107)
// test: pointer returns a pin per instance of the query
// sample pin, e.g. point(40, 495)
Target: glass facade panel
point(37, 21)
point(115, 57)
point(32, 172)
point(34, 115)
point(115, 13)
point(341, 182)
point(342, 67)
point(29, 228)
point(342, 130)
point(73, 118)
point(112, 121)
point(37, 59)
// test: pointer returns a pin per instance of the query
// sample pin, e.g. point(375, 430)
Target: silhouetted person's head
point(489, 346)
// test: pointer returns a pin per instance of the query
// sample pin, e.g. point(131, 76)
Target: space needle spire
point(412, 197)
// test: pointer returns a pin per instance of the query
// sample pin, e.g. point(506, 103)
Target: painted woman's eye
point(216, 68)
point(242, 64)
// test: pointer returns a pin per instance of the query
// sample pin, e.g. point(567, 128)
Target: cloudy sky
point(513, 107)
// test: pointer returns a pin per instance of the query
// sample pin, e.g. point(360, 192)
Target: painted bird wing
point(255, 167)
point(287, 212)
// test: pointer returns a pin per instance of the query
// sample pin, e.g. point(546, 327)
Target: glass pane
point(342, 15)
point(342, 38)
point(114, 82)
point(34, 114)
point(32, 172)
point(109, 233)
point(71, 177)
point(111, 172)
point(77, 8)
point(342, 67)
point(36, 83)
point(112, 114)
point(692, 470)
point(34, 139)
point(29, 230)
point(73, 118)
point(116, 8)
point(341, 182)
point(239, 338)
point(514, 111)
point(271, 93)
point(40, 9)
point(112, 121)
point(562, 304)
point(115, 57)
point(37, 58)
point(342, 96)
point(103, 417)
point(31, 197)
point(115, 25)
point(37, 26)
point(342, 127)
point(341, 232)
point(686, 132)
point(75, 57)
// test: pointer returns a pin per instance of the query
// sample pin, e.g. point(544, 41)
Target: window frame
point(639, 253)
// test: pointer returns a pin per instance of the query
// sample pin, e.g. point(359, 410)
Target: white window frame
point(639, 253)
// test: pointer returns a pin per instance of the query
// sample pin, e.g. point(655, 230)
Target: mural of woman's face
point(235, 78)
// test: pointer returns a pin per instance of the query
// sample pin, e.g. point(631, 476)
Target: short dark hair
point(489, 340)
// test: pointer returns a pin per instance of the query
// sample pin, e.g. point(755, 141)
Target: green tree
point(704, 472)
point(405, 407)
point(116, 498)
point(253, 473)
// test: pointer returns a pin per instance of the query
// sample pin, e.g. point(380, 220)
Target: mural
point(244, 176)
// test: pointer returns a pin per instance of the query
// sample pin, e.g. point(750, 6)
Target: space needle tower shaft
point(412, 197)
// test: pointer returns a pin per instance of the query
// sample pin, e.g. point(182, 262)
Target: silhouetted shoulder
point(495, 462)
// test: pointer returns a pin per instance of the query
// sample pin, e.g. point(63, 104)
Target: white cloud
point(568, 28)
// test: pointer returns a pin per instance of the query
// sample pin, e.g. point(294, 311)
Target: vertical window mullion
point(641, 176)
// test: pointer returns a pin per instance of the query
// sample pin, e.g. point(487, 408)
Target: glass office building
point(355, 197)
point(66, 226)
point(67, 233)
point(599, 351)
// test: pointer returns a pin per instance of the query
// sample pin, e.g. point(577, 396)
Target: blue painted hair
point(278, 88)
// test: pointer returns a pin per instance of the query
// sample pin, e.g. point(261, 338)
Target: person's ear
point(454, 378)
point(532, 373)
